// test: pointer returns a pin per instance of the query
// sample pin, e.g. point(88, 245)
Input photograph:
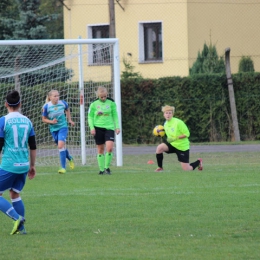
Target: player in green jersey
point(177, 142)
point(103, 124)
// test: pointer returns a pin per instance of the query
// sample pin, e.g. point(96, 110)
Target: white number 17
point(15, 132)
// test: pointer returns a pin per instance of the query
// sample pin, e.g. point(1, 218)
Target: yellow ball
point(159, 131)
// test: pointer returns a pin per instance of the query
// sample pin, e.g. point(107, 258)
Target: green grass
point(138, 214)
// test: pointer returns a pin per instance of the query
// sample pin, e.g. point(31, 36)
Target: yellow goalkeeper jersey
point(174, 128)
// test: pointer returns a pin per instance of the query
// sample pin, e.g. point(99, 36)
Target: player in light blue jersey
point(16, 133)
point(54, 113)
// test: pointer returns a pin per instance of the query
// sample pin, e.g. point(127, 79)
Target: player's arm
point(91, 117)
point(67, 112)
point(68, 115)
point(2, 139)
point(32, 146)
point(115, 118)
point(32, 170)
point(49, 121)
point(45, 118)
point(184, 131)
point(182, 136)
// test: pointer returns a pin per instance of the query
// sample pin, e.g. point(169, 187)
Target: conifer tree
point(246, 64)
point(8, 9)
point(29, 25)
point(208, 61)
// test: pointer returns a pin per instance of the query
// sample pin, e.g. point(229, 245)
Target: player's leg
point(186, 166)
point(161, 148)
point(183, 157)
point(62, 135)
point(198, 164)
point(101, 158)
point(55, 136)
point(7, 208)
point(71, 159)
point(62, 153)
point(6, 181)
point(109, 156)
point(16, 199)
point(100, 142)
point(110, 136)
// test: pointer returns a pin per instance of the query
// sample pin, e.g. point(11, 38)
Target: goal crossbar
point(115, 77)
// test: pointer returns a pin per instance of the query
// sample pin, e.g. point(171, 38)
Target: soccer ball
point(159, 131)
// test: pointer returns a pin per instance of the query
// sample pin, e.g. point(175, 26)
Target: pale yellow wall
point(174, 31)
point(82, 13)
point(75, 25)
point(174, 23)
point(187, 25)
point(234, 24)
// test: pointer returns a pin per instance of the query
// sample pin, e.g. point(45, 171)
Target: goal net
point(73, 67)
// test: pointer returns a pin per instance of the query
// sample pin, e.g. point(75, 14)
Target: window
point(100, 31)
point(100, 55)
point(150, 42)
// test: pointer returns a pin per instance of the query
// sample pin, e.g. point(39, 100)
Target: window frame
point(91, 51)
point(142, 48)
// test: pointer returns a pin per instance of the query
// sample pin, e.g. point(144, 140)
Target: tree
point(246, 64)
point(53, 7)
point(129, 70)
point(8, 9)
point(208, 61)
point(18, 13)
point(30, 25)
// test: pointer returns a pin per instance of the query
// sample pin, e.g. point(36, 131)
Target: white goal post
point(75, 67)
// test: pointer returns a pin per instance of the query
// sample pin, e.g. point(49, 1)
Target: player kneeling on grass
point(16, 133)
point(177, 142)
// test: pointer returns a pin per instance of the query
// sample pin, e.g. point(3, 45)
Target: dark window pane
point(153, 41)
point(100, 31)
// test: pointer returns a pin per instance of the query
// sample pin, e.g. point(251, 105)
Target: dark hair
point(13, 98)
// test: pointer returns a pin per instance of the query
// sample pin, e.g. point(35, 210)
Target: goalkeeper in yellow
point(177, 134)
point(103, 124)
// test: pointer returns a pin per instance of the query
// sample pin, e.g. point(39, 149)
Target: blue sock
point(19, 208)
point(67, 154)
point(7, 208)
point(63, 158)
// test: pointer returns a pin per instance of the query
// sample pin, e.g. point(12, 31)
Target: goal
point(73, 67)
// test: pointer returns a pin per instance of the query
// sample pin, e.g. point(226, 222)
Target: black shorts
point(102, 135)
point(183, 156)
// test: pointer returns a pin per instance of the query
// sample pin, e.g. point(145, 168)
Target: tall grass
point(138, 214)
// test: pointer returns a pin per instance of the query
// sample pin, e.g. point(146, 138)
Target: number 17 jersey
point(16, 129)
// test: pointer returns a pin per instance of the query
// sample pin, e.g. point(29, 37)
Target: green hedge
point(202, 101)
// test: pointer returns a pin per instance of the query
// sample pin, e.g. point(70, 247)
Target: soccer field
point(138, 214)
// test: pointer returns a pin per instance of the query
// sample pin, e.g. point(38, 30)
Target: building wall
point(186, 26)
point(174, 33)
point(233, 24)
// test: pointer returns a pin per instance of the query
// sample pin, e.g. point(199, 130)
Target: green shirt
point(103, 114)
point(174, 128)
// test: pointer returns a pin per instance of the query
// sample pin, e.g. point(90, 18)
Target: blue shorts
point(14, 181)
point(60, 135)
